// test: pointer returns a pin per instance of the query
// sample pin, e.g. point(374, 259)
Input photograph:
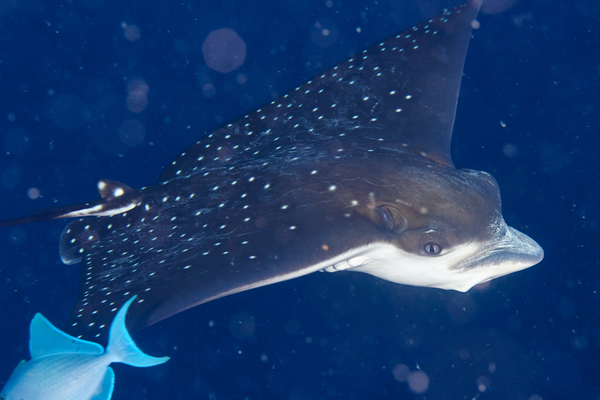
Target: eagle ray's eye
point(432, 248)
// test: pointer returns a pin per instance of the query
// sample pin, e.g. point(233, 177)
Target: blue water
point(527, 114)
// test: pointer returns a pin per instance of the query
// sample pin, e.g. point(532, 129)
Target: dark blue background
point(535, 66)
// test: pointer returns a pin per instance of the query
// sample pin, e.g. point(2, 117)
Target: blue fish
point(66, 368)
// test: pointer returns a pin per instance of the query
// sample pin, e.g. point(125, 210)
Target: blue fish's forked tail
point(122, 347)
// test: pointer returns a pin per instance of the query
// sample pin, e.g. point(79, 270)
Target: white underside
point(396, 265)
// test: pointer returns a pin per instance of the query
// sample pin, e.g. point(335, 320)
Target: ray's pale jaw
point(465, 266)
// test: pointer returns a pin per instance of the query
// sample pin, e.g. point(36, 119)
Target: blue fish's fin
point(122, 347)
point(107, 386)
point(46, 339)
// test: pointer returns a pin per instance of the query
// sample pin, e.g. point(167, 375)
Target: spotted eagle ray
point(349, 171)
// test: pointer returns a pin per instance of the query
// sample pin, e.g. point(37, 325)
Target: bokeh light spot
point(131, 32)
point(401, 372)
point(132, 132)
point(510, 150)
point(69, 112)
point(10, 178)
point(137, 100)
point(418, 382)
point(324, 33)
point(33, 193)
point(224, 50)
point(496, 6)
point(242, 326)
point(483, 383)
